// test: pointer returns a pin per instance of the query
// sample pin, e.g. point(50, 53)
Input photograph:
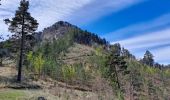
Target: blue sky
point(138, 25)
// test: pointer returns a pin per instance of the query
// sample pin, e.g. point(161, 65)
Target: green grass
point(12, 95)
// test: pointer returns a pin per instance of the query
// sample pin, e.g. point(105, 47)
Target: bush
point(52, 68)
point(69, 72)
point(38, 64)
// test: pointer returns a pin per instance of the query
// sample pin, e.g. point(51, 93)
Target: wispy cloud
point(98, 8)
point(48, 12)
point(153, 42)
point(152, 37)
point(139, 28)
point(162, 54)
point(148, 40)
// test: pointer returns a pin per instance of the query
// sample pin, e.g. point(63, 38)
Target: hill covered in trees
point(84, 61)
point(69, 63)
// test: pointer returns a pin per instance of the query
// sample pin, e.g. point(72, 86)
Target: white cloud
point(48, 12)
point(147, 40)
point(162, 54)
point(98, 8)
point(139, 28)
point(157, 41)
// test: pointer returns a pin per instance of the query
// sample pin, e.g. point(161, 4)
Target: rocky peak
point(56, 30)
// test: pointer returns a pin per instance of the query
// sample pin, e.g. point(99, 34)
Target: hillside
point(73, 64)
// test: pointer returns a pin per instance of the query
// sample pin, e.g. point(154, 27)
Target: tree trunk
point(1, 61)
point(117, 78)
point(20, 59)
point(21, 52)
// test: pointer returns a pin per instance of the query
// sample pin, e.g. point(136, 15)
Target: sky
point(138, 25)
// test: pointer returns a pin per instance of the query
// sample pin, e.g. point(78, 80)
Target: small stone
point(41, 98)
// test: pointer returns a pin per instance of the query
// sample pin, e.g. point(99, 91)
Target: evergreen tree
point(1, 47)
point(157, 65)
point(22, 24)
point(127, 54)
point(117, 66)
point(3, 50)
point(3, 53)
point(116, 49)
point(148, 58)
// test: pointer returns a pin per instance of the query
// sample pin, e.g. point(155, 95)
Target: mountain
point(71, 63)
point(62, 28)
point(57, 30)
point(87, 56)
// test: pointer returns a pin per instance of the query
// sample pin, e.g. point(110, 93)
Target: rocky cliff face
point(62, 28)
point(55, 31)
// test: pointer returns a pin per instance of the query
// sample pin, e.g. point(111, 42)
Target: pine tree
point(1, 47)
point(148, 58)
point(127, 54)
point(117, 66)
point(3, 51)
point(22, 24)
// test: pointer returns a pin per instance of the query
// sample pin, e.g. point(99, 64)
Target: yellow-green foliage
point(38, 63)
point(167, 73)
point(99, 51)
point(69, 72)
point(120, 95)
point(151, 70)
point(30, 56)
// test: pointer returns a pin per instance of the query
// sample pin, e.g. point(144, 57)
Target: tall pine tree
point(117, 66)
point(22, 24)
point(148, 58)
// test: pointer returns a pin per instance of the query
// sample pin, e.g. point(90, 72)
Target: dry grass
point(50, 89)
point(77, 53)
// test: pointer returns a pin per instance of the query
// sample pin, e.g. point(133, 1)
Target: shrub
point(38, 64)
point(68, 72)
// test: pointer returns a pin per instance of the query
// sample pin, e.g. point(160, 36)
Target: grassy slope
point(49, 91)
point(77, 53)
point(92, 64)
point(92, 60)
point(154, 83)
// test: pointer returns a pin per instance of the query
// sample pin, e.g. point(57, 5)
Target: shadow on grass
point(10, 82)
